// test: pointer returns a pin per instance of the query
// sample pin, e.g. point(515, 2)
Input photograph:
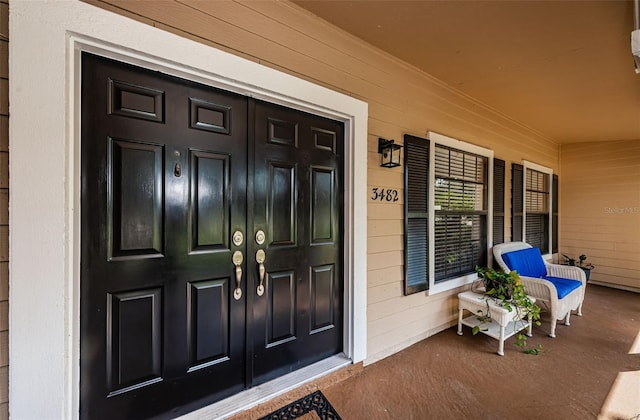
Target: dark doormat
point(313, 406)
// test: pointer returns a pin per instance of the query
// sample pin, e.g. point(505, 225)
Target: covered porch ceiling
point(563, 68)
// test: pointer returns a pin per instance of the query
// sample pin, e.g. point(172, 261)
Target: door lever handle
point(260, 257)
point(237, 261)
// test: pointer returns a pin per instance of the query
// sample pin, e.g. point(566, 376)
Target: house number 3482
point(384, 194)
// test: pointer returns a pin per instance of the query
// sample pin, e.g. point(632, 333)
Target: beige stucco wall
point(402, 100)
point(600, 209)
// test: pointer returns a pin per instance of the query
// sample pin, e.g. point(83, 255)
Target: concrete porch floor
point(591, 370)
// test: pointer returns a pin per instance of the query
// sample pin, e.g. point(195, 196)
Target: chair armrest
point(567, 272)
point(544, 291)
point(540, 289)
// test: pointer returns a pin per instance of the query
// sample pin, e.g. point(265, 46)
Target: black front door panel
point(177, 178)
point(297, 199)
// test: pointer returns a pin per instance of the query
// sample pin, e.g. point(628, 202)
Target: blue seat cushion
point(527, 262)
point(563, 286)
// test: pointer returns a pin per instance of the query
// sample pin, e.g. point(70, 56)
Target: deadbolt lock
point(238, 238)
point(260, 237)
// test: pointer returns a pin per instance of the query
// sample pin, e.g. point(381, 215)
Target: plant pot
point(587, 272)
point(497, 285)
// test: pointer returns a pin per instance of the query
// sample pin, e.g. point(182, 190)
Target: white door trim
point(46, 40)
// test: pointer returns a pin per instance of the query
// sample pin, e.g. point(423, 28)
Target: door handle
point(260, 257)
point(237, 261)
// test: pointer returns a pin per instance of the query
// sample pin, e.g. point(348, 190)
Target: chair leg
point(579, 310)
point(566, 320)
point(552, 334)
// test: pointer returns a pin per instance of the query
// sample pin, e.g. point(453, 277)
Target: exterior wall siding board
point(4, 133)
point(384, 276)
point(383, 293)
point(4, 170)
point(4, 281)
point(386, 244)
point(387, 211)
point(4, 207)
point(402, 100)
point(378, 176)
point(4, 19)
point(4, 64)
point(4, 96)
point(600, 209)
point(4, 210)
point(439, 309)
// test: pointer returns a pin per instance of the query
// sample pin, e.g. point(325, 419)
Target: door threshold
point(264, 392)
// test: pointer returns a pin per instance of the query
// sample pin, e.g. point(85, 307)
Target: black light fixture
point(390, 152)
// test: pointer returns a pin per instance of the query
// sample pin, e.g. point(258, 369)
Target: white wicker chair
point(543, 290)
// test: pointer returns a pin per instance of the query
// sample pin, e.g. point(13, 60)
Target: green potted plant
point(507, 290)
point(580, 262)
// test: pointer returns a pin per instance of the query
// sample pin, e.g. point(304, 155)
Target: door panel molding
point(134, 359)
point(208, 331)
point(134, 101)
point(209, 201)
point(322, 284)
point(209, 116)
point(281, 206)
point(283, 132)
point(281, 308)
point(134, 233)
point(324, 139)
point(323, 198)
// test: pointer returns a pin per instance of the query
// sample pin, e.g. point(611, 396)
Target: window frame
point(550, 208)
point(439, 139)
point(461, 179)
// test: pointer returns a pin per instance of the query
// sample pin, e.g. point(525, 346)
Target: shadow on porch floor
point(591, 370)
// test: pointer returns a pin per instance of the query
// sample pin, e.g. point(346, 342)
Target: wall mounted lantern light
point(390, 153)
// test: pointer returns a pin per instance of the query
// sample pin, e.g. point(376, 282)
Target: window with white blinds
point(447, 192)
point(460, 212)
point(537, 209)
point(534, 206)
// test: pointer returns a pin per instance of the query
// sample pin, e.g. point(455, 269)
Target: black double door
point(211, 242)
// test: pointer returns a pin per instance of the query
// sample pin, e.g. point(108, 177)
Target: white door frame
point(46, 40)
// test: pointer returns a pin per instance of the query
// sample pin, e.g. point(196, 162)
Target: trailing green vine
point(507, 290)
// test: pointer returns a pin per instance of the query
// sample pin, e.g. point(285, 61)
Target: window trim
point(549, 172)
point(436, 139)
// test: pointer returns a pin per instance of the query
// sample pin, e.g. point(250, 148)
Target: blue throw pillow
point(527, 262)
point(563, 286)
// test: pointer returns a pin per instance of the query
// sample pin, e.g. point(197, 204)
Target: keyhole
point(177, 171)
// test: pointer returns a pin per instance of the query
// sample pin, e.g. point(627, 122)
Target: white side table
point(503, 324)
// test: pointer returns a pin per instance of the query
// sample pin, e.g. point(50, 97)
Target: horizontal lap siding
point(4, 210)
point(600, 209)
point(401, 100)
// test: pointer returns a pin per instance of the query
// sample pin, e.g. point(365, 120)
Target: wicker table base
point(503, 323)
